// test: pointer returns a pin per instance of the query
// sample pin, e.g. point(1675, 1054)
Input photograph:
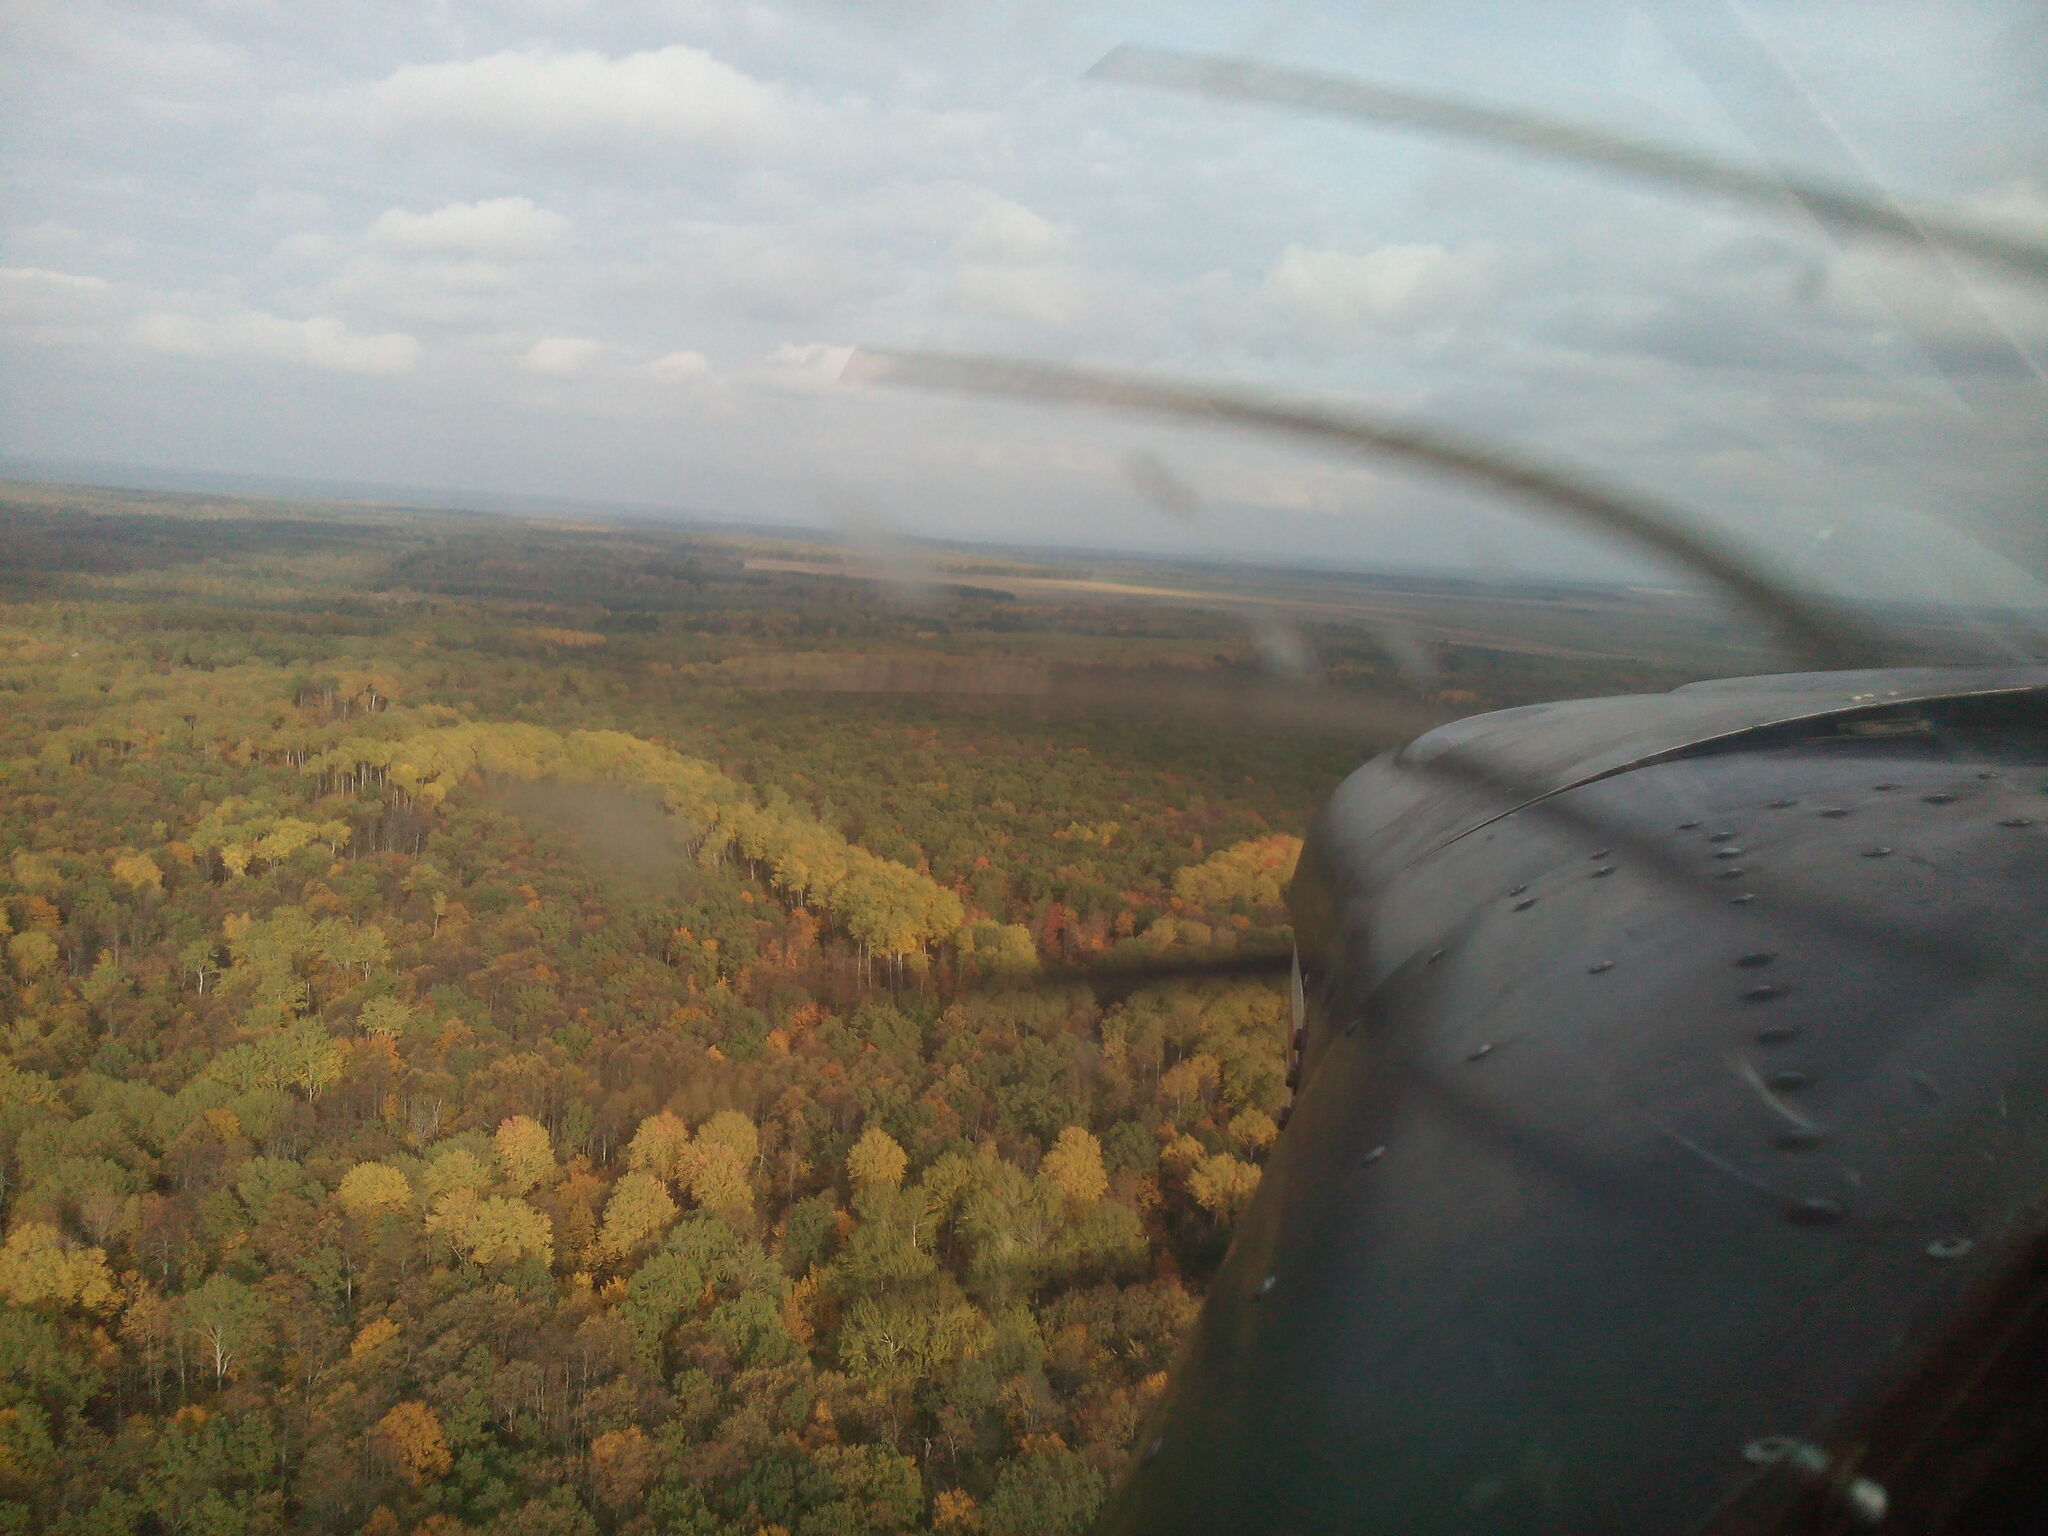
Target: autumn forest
point(544, 1030)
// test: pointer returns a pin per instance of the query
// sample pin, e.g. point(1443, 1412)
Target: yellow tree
point(139, 873)
point(369, 1188)
point(411, 1435)
point(717, 1177)
point(637, 1214)
point(1253, 1129)
point(493, 1229)
point(1256, 872)
point(38, 1267)
point(1074, 1167)
point(876, 1161)
point(455, 1168)
point(32, 953)
point(732, 1129)
point(1222, 1184)
point(524, 1151)
point(661, 1147)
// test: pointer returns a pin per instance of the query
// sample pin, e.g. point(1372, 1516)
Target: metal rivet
point(1743, 900)
point(1764, 994)
point(1483, 1051)
point(1720, 837)
point(1770, 1450)
point(1866, 1501)
point(1798, 1138)
point(1834, 813)
point(1525, 903)
point(1789, 1082)
point(1734, 873)
point(2017, 821)
point(1817, 1212)
point(1265, 1287)
point(1879, 852)
point(1762, 957)
point(1884, 787)
point(1434, 956)
point(1372, 1155)
point(1602, 872)
point(1776, 1034)
point(1727, 853)
point(1938, 799)
point(1597, 857)
point(1990, 773)
point(1599, 966)
point(1687, 826)
point(1950, 1248)
point(1783, 805)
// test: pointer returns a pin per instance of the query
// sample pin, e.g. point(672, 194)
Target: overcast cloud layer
point(618, 252)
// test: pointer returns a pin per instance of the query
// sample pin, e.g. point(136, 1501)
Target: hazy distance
point(616, 255)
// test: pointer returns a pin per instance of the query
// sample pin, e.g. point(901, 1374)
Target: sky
point(617, 253)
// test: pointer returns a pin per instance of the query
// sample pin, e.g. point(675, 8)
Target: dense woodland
point(503, 1034)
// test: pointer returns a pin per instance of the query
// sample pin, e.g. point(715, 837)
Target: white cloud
point(31, 281)
point(1046, 294)
point(792, 272)
point(159, 52)
point(322, 342)
point(1391, 286)
point(806, 366)
point(40, 305)
point(288, 206)
point(548, 95)
point(676, 367)
point(2022, 205)
point(309, 246)
point(55, 232)
point(499, 226)
point(1005, 231)
point(429, 292)
point(560, 356)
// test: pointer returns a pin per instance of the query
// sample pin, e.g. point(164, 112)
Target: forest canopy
point(474, 1061)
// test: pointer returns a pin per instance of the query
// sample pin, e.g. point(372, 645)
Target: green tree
point(32, 953)
point(1043, 1493)
point(225, 1318)
point(638, 1212)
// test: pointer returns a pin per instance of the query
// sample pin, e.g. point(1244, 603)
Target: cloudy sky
point(616, 251)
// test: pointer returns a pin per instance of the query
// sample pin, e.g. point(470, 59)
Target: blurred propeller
point(1313, 91)
point(1826, 638)
point(1115, 977)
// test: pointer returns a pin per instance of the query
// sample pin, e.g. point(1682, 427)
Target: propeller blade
point(1829, 639)
point(1314, 91)
point(1120, 976)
